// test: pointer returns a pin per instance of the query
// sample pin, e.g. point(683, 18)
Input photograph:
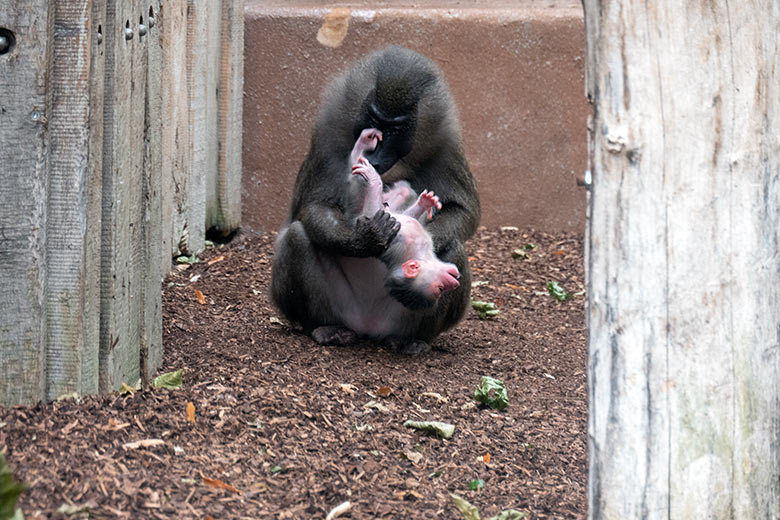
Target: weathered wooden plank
point(24, 106)
point(151, 336)
point(90, 364)
point(74, 195)
point(203, 42)
point(683, 266)
point(224, 212)
point(123, 256)
point(176, 134)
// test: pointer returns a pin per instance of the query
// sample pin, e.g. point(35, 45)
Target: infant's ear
point(411, 268)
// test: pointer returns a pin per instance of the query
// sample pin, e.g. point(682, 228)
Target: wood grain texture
point(151, 327)
point(682, 259)
point(24, 113)
point(224, 213)
point(176, 134)
point(123, 237)
point(202, 73)
point(206, 52)
point(74, 196)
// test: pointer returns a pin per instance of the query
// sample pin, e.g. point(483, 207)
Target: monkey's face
point(418, 284)
point(397, 128)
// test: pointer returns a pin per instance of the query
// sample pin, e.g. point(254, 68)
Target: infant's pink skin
point(366, 142)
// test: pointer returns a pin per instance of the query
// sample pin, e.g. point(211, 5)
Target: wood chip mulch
point(285, 429)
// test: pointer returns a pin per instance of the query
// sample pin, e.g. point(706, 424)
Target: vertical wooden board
point(73, 198)
point(176, 134)
point(24, 106)
point(683, 279)
point(123, 255)
point(204, 48)
point(151, 336)
point(224, 212)
point(90, 363)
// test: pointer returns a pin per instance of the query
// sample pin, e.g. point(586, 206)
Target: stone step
point(515, 68)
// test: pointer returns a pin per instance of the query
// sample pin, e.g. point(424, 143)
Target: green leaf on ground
point(492, 392)
point(485, 309)
point(10, 490)
point(509, 514)
point(476, 484)
point(187, 260)
point(557, 292)
point(76, 509)
point(443, 430)
point(468, 511)
point(169, 380)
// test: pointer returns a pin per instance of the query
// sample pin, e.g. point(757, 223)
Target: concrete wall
point(516, 70)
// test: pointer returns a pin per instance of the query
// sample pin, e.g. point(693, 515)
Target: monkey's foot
point(411, 347)
point(334, 335)
point(367, 141)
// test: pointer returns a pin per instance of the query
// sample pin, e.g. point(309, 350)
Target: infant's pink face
point(433, 278)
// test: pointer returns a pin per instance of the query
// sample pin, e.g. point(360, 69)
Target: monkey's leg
point(334, 335)
point(367, 141)
point(399, 196)
point(299, 287)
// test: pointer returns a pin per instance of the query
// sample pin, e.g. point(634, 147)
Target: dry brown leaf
point(435, 395)
point(115, 426)
point(334, 27)
point(146, 443)
point(216, 483)
point(413, 456)
point(200, 297)
point(215, 260)
point(191, 412)
point(67, 429)
point(384, 391)
point(348, 388)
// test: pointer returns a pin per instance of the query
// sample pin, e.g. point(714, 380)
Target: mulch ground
point(284, 428)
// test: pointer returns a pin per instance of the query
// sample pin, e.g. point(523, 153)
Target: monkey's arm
point(327, 229)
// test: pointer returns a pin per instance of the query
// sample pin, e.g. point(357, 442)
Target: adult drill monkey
point(403, 95)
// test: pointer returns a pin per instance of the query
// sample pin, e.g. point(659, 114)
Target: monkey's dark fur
point(403, 94)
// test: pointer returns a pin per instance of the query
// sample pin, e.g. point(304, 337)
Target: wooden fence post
point(683, 259)
point(224, 213)
point(129, 273)
point(119, 124)
point(176, 135)
point(151, 330)
point(74, 198)
point(26, 31)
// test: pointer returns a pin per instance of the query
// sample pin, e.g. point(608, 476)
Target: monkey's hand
point(373, 234)
point(427, 201)
point(366, 142)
